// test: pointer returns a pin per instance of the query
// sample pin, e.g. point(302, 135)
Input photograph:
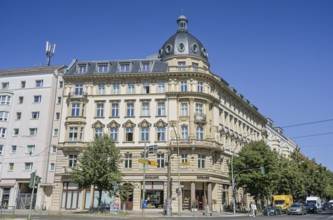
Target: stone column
point(209, 196)
point(192, 193)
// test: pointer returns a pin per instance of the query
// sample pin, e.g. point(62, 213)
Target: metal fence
point(7, 211)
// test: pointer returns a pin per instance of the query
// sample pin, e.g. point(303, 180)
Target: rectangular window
point(73, 134)
point(131, 88)
point(11, 167)
point(195, 66)
point(145, 109)
point(184, 158)
point(18, 115)
point(160, 87)
point(21, 99)
point(57, 115)
point(5, 85)
point(184, 132)
point(3, 132)
point(183, 87)
point(102, 68)
point(129, 134)
point(54, 149)
point(16, 131)
point(128, 160)
point(52, 166)
point(59, 100)
point(28, 166)
point(22, 84)
point(200, 87)
point(78, 89)
point(115, 88)
point(14, 148)
point(75, 109)
point(1, 149)
point(161, 109)
point(130, 109)
point(145, 67)
point(199, 133)
point(100, 110)
point(37, 98)
point(201, 160)
point(98, 132)
point(124, 67)
point(56, 132)
point(30, 149)
point(39, 83)
point(61, 84)
point(5, 99)
point(34, 115)
point(181, 66)
point(33, 131)
point(160, 160)
point(115, 110)
point(199, 109)
point(184, 109)
point(144, 134)
point(4, 116)
point(160, 134)
point(82, 68)
point(145, 88)
point(101, 89)
point(72, 160)
point(114, 134)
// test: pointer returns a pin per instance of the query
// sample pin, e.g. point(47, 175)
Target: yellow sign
point(153, 163)
point(185, 164)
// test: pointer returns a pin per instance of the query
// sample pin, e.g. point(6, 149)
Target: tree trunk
point(100, 191)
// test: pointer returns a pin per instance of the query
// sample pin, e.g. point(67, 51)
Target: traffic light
point(262, 170)
point(32, 179)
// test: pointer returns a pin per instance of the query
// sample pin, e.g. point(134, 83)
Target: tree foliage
point(98, 165)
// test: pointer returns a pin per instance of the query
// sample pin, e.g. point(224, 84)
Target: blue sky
point(277, 53)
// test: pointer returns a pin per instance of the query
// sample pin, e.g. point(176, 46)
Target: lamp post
point(172, 124)
point(233, 178)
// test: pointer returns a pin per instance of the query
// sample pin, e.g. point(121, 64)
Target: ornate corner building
point(171, 100)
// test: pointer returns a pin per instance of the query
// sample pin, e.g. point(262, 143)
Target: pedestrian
point(253, 208)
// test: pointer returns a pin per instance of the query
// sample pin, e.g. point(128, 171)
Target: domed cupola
point(183, 43)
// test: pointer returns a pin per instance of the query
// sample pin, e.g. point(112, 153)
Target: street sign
point(185, 164)
point(148, 162)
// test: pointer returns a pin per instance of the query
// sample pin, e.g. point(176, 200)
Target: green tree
point(98, 165)
point(251, 158)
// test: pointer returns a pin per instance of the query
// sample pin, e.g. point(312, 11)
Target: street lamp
point(172, 124)
point(233, 178)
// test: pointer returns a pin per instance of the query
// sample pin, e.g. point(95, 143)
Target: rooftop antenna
point(50, 48)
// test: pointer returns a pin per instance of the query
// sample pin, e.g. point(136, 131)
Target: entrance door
point(5, 197)
point(187, 199)
point(128, 202)
point(200, 197)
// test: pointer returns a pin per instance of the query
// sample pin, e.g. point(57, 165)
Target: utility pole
point(144, 179)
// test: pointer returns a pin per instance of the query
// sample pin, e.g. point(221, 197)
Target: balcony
point(72, 96)
point(200, 118)
point(78, 120)
point(72, 145)
point(191, 143)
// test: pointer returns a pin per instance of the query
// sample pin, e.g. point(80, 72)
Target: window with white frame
point(54, 148)
point(128, 160)
point(37, 98)
point(102, 68)
point(98, 132)
point(130, 87)
point(145, 87)
point(16, 131)
point(181, 66)
point(199, 133)
point(183, 86)
point(160, 160)
point(34, 115)
point(124, 67)
point(30, 149)
point(59, 100)
point(61, 84)
point(129, 134)
point(57, 115)
point(83, 68)
point(161, 109)
point(144, 134)
point(28, 166)
point(145, 109)
point(145, 67)
point(78, 89)
point(75, 109)
point(201, 160)
point(160, 87)
point(195, 66)
point(72, 159)
point(161, 134)
point(100, 110)
point(52, 166)
point(184, 158)
point(32, 131)
point(14, 148)
point(199, 109)
point(114, 134)
point(115, 110)
point(11, 167)
point(5, 99)
point(4, 116)
point(1, 149)
point(184, 109)
point(101, 89)
point(116, 88)
point(3, 132)
point(184, 132)
point(39, 83)
point(130, 109)
point(200, 87)
point(5, 85)
point(73, 134)
point(55, 132)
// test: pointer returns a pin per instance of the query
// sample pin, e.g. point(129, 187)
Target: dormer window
point(102, 68)
point(124, 67)
point(145, 67)
point(82, 68)
point(5, 85)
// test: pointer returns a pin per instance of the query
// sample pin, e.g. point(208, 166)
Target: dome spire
point(182, 23)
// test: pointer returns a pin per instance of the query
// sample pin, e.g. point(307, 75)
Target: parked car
point(311, 207)
point(272, 211)
point(297, 208)
point(327, 206)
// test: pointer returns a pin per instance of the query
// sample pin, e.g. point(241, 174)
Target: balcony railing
point(77, 95)
point(190, 142)
point(199, 118)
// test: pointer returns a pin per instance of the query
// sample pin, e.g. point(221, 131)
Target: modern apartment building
point(30, 104)
point(172, 100)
